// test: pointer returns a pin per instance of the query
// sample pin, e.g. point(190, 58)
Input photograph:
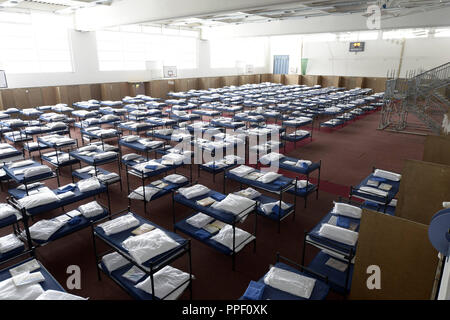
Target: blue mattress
point(8, 221)
point(19, 178)
point(374, 198)
point(303, 191)
point(136, 129)
point(208, 113)
point(95, 136)
point(336, 278)
point(78, 196)
point(135, 145)
point(67, 229)
point(90, 159)
point(295, 138)
point(311, 168)
point(167, 189)
point(11, 254)
point(54, 145)
point(49, 283)
point(151, 173)
point(390, 210)
point(274, 186)
point(215, 169)
point(69, 162)
point(188, 117)
point(263, 199)
point(216, 214)
point(229, 125)
point(319, 292)
point(190, 230)
point(116, 241)
point(86, 175)
point(16, 153)
point(162, 121)
point(18, 137)
point(340, 247)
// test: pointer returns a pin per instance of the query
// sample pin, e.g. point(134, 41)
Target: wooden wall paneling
point(21, 98)
point(277, 78)
point(266, 77)
point(85, 92)
point(8, 98)
point(35, 97)
point(423, 188)
point(49, 96)
point(2, 107)
point(402, 251)
point(351, 82)
point(96, 91)
point(160, 88)
point(116, 91)
point(192, 84)
point(62, 95)
point(106, 90)
point(148, 90)
point(377, 84)
point(124, 90)
point(330, 81)
point(73, 94)
point(291, 79)
point(229, 81)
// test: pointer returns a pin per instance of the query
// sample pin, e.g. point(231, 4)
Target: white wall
point(85, 66)
point(380, 56)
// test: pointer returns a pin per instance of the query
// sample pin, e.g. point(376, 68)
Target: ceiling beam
point(123, 12)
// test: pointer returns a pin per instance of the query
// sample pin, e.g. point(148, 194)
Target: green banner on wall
point(304, 65)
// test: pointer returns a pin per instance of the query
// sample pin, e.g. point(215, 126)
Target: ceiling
point(56, 6)
point(307, 9)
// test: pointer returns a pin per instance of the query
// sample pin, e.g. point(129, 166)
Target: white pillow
point(176, 178)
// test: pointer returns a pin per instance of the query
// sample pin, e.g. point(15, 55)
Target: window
point(227, 53)
point(442, 32)
point(131, 50)
point(34, 43)
point(319, 37)
point(405, 34)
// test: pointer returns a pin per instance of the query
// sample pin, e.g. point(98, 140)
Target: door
point(281, 64)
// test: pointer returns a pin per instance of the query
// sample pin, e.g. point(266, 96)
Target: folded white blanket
point(130, 156)
point(249, 193)
point(114, 261)
point(7, 210)
point(199, 220)
point(175, 178)
point(301, 162)
point(165, 281)
point(148, 245)
point(347, 210)
point(235, 204)
point(302, 184)
point(267, 208)
point(19, 164)
point(119, 224)
point(105, 155)
point(338, 234)
point(130, 138)
point(373, 191)
point(225, 237)
point(90, 184)
point(290, 282)
point(242, 170)
point(43, 229)
point(268, 177)
point(387, 175)
point(194, 191)
point(9, 242)
point(141, 167)
point(270, 157)
point(38, 199)
point(91, 209)
point(9, 291)
point(88, 148)
point(58, 295)
point(139, 193)
point(35, 171)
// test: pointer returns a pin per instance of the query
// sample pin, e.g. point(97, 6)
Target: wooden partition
point(250, 78)
point(160, 88)
point(277, 78)
point(330, 81)
point(229, 81)
point(402, 251)
point(351, 82)
point(423, 188)
point(186, 84)
point(291, 79)
point(437, 149)
point(310, 80)
point(377, 84)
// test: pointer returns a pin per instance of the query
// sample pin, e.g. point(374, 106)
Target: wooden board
point(437, 149)
point(377, 84)
point(229, 81)
point(277, 78)
point(404, 254)
point(266, 77)
point(73, 94)
point(8, 99)
point(330, 81)
point(291, 79)
point(21, 98)
point(96, 91)
point(35, 97)
point(2, 107)
point(310, 80)
point(49, 96)
point(351, 82)
point(85, 92)
point(423, 188)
